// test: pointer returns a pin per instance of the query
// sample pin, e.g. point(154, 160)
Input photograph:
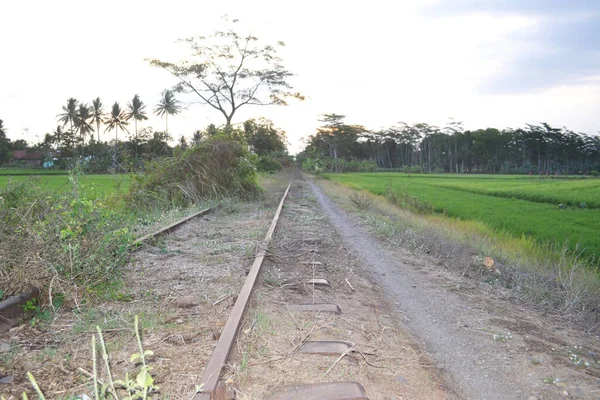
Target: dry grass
point(563, 285)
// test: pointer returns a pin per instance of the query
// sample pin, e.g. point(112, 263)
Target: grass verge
point(556, 280)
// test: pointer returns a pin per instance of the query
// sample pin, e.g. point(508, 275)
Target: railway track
point(213, 388)
point(306, 324)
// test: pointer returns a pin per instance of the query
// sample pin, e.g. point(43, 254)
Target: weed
point(362, 200)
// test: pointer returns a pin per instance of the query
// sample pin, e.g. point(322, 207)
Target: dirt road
point(485, 347)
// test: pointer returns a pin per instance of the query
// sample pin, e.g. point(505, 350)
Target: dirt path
point(484, 347)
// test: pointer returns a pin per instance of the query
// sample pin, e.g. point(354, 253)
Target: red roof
point(24, 155)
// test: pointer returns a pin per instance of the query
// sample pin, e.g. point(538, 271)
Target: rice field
point(518, 205)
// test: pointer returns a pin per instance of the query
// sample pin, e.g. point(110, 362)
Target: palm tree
point(82, 123)
point(70, 113)
point(97, 114)
point(137, 112)
point(116, 120)
point(168, 105)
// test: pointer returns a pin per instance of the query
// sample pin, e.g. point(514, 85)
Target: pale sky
point(488, 63)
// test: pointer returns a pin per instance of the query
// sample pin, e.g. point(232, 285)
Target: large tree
point(136, 110)
point(228, 70)
point(168, 105)
point(97, 114)
point(264, 137)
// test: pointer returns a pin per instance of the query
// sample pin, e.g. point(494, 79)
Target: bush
point(595, 174)
point(58, 242)
point(219, 167)
point(268, 164)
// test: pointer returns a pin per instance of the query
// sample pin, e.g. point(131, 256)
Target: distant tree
point(97, 114)
point(82, 123)
point(116, 120)
point(229, 70)
point(5, 145)
point(338, 135)
point(263, 137)
point(136, 111)
point(158, 145)
point(19, 144)
point(168, 105)
point(69, 114)
point(183, 143)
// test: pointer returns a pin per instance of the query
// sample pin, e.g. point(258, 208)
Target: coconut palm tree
point(136, 110)
point(82, 123)
point(70, 113)
point(168, 105)
point(116, 120)
point(97, 114)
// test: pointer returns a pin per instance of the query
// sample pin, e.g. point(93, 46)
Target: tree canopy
point(228, 70)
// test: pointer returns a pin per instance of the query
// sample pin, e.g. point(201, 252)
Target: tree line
point(421, 147)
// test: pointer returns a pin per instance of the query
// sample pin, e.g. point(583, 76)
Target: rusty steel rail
point(212, 372)
point(169, 228)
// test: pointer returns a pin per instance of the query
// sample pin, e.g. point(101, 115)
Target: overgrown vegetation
point(220, 166)
point(61, 242)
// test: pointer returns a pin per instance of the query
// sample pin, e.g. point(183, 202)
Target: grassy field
point(518, 205)
point(93, 185)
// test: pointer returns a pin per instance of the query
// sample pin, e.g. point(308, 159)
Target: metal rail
point(212, 372)
point(168, 228)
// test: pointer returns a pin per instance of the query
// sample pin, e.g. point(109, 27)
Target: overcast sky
point(487, 63)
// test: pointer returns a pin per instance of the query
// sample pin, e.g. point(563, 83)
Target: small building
point(33, 159)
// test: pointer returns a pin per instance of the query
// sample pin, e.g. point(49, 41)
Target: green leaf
point(144, 379)
point(134, 357)
point(148, 353)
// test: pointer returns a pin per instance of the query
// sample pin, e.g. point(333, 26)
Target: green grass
point(30, 171)
point(93, 186)
point(520, 206)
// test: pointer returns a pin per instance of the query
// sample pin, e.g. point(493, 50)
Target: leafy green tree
point(158, 145)
point(228, 71)
point(168, 105)
point(5, 145)
point(263, 137)
point(136, 110)
point(97, 117)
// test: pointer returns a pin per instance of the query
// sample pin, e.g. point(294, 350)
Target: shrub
point(268, 164)
point(221, 166)
point(57, 242)
point(595, 174)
